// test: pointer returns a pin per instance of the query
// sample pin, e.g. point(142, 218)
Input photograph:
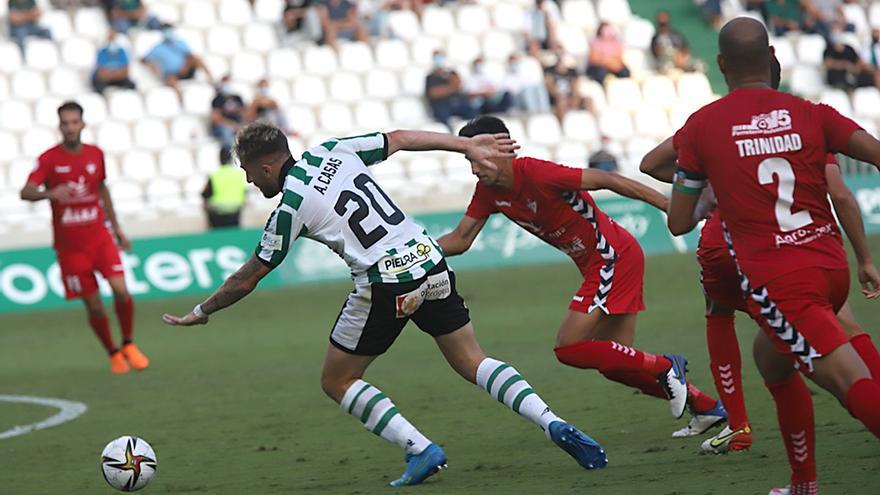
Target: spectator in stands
point(225, 193)
point(529, 95)
point(606, 55)
point(602, 159)
point(485, 93)
point(844, 68)
point(301, 22)
point(266, 109)
point(445, 93)
point(541, 24)
point(111, 68)
point(670, 48)
point(172, 60)
point(872, 55)
point(784, 16)
point(23, 17)
point(126, 14)
point(561, 79)
point(820, 16)
point(712, 12)
point(339, 19)
point(227, 113)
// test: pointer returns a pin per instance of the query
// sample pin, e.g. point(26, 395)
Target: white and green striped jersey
point(330, 196)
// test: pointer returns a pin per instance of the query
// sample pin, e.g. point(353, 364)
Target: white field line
point(69, 410)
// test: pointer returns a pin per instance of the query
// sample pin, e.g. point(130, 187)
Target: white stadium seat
point(638, 33)
point(197, 98)
point(355, 57)
point(15, 115)
point(413, 81)
point(659, 91)
point(176, 162)
point(580, 126)
point(139, 165)
point(636, 61)
point(4, 88)
point(236, 12)
point(509, 16)
point(580, 13)
point(810, 48)
point(168, 12)
point(186, 129)
point(11, 57)
point(217, 64)
point(346, 88)
point(162, 102)
point(462, 48)
point(46, 111)
point(268, 10)
point(382, 84)
point(114, 137)
point(784, 52)
point(336, 118)
point(200, 14)
point(91, 23)
point(19, 171)
point(303, 119)
point(280, 91)
point(473, 19)
point(855, 14)
point(438, 21)
point(408, 111)
point(150, 134)
point(284, 64)
point(37, 140)
point(616, 124)
point(838, 99)
point(498, 45)
point(58, 22)
point(392, 54)
point(623, 93)
point(125, 105)
point(652, 121)
point(319, 60)
point(64, 81)
point(543, 129)
point(208, 156)
point(614, 11)
point(866, 102)
point(309, 90)
point(163, 193)
point(573, 40)
point(594, 91)
point(128, 196)
point(423, 49)
point(404, 24)
point(223, 40)
point(143, 42)
point(8, 150)
point(694, 87)
point(372, 114)
point(248, 67)
point(28, 85)
point(79, 53)
point(572, 154)
point(94, 108)
point(260, 38)
point(806, 81)
point(192, 37)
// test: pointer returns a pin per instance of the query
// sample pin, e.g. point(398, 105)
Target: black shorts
point(375, 314)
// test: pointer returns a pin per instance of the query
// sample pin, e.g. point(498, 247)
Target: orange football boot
point(135, 356)
point(118, 364)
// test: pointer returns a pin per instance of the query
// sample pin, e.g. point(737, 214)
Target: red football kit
point(764, 152)
point(81, 237)
point(546, 200)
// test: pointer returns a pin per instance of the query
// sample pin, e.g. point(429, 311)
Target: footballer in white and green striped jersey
point(329, 195)
point(400, 275)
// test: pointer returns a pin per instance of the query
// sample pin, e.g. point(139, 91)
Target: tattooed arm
point(238, 285)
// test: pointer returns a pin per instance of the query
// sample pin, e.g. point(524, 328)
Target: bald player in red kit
point(764, 154)
point(71, 176)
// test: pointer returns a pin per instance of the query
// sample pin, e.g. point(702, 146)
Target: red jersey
point(764, 152)
point(80, 220)
point(546, 200)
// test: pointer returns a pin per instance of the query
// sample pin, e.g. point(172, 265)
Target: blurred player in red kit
point(71, 176)
point(764, 154)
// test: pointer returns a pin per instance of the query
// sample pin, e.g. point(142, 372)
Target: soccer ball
point(128, 463)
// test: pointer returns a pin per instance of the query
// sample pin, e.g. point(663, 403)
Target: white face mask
point(113, 47)
point(439, 61)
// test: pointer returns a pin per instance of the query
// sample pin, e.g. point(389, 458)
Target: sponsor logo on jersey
point(573, 248)
point(402, 262)
point(78, 216)
point(532, 205)
point(803, 236)
point(434, 288)
point(62, 169)
point(91, 168)
point(502, 203)
point(271, 242)
point(765, 123)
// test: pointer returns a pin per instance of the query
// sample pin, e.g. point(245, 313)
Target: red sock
point(605, 355)
point(726, 365)
point(101, 326)
point(699, 401)
point(794, 410)
point(863, 402)
point(125, 313)
point(863, 345)
point(641, 380)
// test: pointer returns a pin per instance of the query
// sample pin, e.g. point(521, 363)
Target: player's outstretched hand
point(186, 320)
point(486, 147)
point(870, 280)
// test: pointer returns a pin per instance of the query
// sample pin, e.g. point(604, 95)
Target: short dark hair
point(484, 124)
point(70, 105)
point(257, 140)
point(225, 155)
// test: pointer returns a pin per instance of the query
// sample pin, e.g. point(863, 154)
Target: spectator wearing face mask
point(445, 92)
point(227, 113)
point(266, 109)
point(606, 55)
point(485, 93)
point(111, 68)
point(529, 94)
point(172, 60)
point(844, 68)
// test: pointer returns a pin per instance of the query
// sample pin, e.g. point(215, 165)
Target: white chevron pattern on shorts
point(603, 247)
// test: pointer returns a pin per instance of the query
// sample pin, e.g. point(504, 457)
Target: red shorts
point(78, 266)
point(614, 288)
point(720, 278)
point(808, 300)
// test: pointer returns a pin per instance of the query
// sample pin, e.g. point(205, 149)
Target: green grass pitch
point(235, 407)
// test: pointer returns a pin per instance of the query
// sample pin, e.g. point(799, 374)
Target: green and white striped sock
point(505, 384)
point(377, 413)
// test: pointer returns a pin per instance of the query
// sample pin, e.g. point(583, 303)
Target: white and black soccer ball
point(128, 463)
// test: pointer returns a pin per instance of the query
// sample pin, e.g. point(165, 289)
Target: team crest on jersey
point(532, 205)
point(765, 123)
point(91, 168)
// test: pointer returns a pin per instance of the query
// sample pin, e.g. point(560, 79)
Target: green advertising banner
point(193, 264)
